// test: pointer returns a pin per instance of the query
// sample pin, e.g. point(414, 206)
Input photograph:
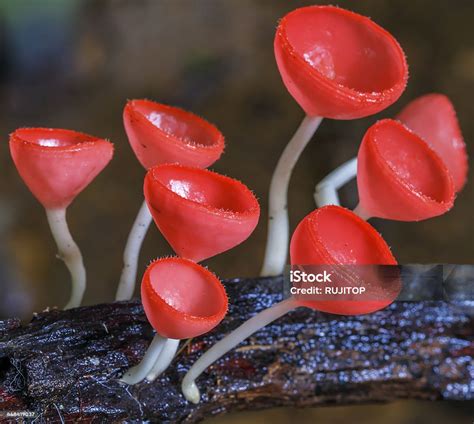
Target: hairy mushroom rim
point(178, 125)
point(186, 288)
point(205, 189)
point(57, 139)
point(336, 55)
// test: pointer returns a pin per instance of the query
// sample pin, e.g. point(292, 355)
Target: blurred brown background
point(74, 63)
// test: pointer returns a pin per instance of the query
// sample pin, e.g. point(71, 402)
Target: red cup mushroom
point(328, 236)
point(162, 134)
point(199, 212)
point(336, 236)
point(336, 64)
point(181, 300)
point(399, 176)
point(57, 165)
point(165, 134)
point(433, 118)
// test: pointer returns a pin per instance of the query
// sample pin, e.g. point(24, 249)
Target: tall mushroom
point(57, 165)
point(201, 214)
point(162, 134)
point(336, 64)
point(328, 236)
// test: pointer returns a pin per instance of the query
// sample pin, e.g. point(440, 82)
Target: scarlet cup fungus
point(336, 64)
point(328, 236)
point(199, 212)
point(181, 300)
point(399, 176)
point(162, 134)
point(433, 118)
point(57, 165)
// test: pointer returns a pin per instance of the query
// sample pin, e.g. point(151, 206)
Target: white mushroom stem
point(164, 360)
point(139, 372)
point(362, 213)
point(69, 252)
point(326, 191)
point(276, 250)
point(131, 254)
point(188, 386)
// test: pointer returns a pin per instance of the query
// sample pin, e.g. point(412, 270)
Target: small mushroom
point(57, 165)
point(162, 134)
point(399, 176)
point(433, 118)
point(199, 212)
point(328, 236)
point(181, 300)
point(336, 64)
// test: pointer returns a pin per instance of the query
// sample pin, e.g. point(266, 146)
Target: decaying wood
point(66, 364)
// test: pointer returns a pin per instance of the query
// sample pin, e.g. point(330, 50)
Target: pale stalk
point(127, 283)
point(276, 250)
point(189, 387)
point(69, 252)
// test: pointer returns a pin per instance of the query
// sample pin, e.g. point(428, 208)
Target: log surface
point(65, 365)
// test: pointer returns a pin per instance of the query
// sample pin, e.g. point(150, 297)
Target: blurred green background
point(74, 63)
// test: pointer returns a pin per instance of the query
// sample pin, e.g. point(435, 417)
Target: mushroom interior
point(177, 123)
point(412, 160)
point(188, 289)
point(348, 239)
point(207, 188)
point(346, 48)
point(52, 138)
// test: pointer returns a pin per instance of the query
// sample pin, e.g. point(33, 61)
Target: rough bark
point(66, 364)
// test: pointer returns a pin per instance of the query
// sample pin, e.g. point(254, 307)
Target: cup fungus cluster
point(340, 65)
point(336, 64)
point(162, 134)
point(201, 214)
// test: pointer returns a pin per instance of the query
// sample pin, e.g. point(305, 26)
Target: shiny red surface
point(338, 64)
point(434, 119)
point(332, 235)
point(58, 164)
point(199, 212)
point(164, 134)
point(399, 176)
point(181, 298)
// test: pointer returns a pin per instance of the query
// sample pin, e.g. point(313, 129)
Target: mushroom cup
point(338, 64)
point(336, 236)
point(181, 298)
point(399, 176)
point(165, 134)
point(199, 212)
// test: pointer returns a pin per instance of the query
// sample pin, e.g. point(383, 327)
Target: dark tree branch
point(67, 363)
